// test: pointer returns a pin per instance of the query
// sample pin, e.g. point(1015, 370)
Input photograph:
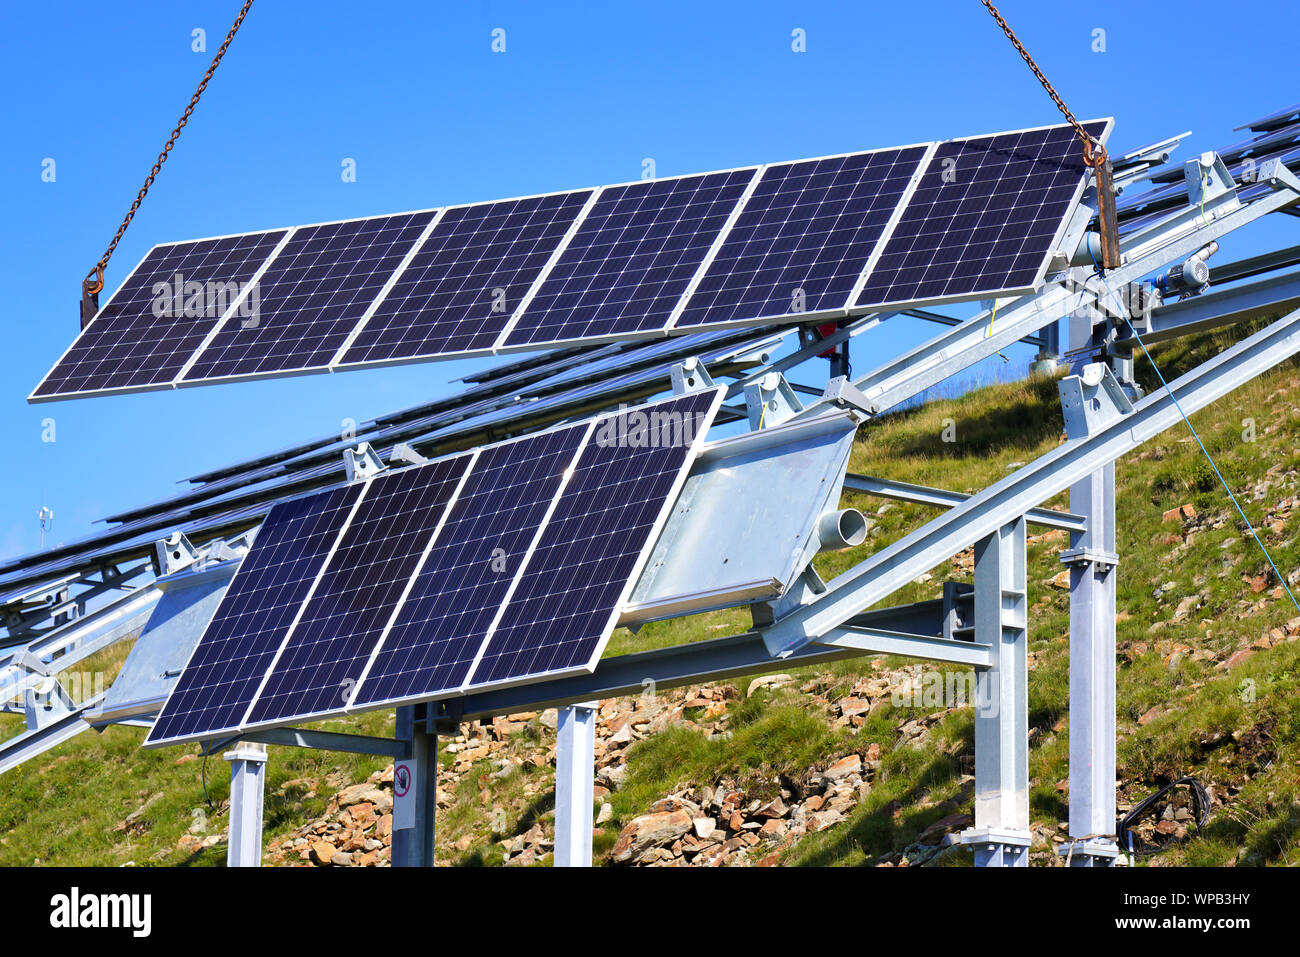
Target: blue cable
point(1209, 458)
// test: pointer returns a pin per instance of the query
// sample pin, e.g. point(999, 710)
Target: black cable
point(1200, 800)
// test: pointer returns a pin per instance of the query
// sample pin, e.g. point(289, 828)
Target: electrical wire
point(1206, 452)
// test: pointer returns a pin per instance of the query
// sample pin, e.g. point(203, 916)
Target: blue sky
point(431, 115)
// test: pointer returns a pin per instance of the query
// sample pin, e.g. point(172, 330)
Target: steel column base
point(998, 847)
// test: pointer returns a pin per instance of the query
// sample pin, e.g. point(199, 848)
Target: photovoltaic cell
point(458, 594)
point(358, 592)
point(163, 311)
point(983, 219)
point(803, 238)
point(631, 259)
point(459, 291)
point(223, 674)
point(569, 595)
point(311, 297)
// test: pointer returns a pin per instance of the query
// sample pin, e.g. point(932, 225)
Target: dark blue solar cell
point(311, 297)
point(803, 238)
point(459, 592)
point(222, 676)
point(983, 219)
point(358, 592)
point(631, 259)
point(572, 589)
point(160, 314)
point(460, 289)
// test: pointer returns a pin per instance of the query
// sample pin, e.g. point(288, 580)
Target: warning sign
point(404, 792)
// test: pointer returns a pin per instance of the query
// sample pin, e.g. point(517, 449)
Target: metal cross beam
point(979, 516)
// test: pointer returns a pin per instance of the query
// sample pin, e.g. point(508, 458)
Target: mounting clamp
point(363, 462)
point(690, 375)
point(770, 401)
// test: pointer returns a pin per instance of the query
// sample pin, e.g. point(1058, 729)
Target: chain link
point(1092, 158)
point(94, 280)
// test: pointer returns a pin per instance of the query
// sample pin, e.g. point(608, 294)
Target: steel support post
point(1000, 837)
point(247, 784)
point(575, 769)
point(1091, 560)
point(415, 790)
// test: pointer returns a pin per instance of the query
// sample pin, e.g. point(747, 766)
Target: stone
point(323, 852)
point(841, 770)
point(363, 793)
point(768, 681)
point(704, 827)
point(649, 831)
point(944, 826)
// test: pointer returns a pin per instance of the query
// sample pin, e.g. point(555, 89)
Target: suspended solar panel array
point(803, 241)
point(500, 566)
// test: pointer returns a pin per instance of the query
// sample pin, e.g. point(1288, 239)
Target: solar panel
point(463, 584)
point(631, 260)
point(360, 588)
point(160, 314)
point(259, 607)
point(803, 238)
point(582, 568)
point(459, 290)
point(311, 297)
point(797, 242)
point(983, 220)
point(517, 557)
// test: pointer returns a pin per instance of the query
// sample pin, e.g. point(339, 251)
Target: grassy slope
point(62, 809)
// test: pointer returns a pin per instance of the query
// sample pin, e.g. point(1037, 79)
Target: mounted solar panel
point(311, 297)
point(585, 563)
point(631, 260)
point(143, 336)
point(789, 243)
point(518, 557)
point(984, 220)
point(239, 644)
point(462, 587)
point(803, 238)
point(459, 290)
point(360, 588)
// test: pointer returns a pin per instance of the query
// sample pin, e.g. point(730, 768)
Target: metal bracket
point(1276, 174)
point(1089, 556)
point(1208, 181)
point(846, 395)
point(690, 375)
point(770, 401)
point(1092, 400)
point(403, 454)
point(173, 554)
point(363, 462)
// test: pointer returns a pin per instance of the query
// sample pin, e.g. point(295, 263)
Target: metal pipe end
point(842, 528)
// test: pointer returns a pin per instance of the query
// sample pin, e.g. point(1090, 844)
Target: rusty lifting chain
point(1094, 153)
point(94, 281)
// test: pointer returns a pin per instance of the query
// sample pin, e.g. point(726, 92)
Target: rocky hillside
point(867, 762)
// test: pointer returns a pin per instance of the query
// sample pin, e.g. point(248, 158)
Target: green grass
point(1236, 729)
